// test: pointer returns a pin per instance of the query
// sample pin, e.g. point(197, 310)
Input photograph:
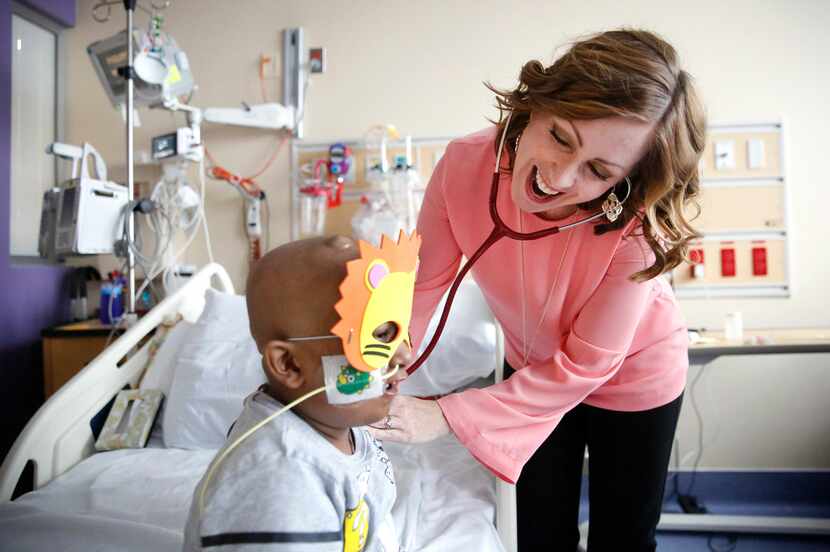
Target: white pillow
point(216, 368)
point(466, 350)
point(159, 374)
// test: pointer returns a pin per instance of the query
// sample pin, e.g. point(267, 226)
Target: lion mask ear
point(377, 271)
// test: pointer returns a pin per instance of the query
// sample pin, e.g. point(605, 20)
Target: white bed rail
point(59, 434)
point(505, 492)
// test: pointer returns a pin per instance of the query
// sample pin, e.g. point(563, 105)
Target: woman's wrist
point(442, 425)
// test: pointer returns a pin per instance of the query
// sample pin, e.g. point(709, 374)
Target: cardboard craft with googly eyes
point(378, 289)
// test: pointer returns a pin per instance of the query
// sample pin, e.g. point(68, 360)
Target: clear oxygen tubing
point(219, 459)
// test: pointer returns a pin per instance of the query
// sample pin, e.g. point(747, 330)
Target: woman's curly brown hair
point(627, 73)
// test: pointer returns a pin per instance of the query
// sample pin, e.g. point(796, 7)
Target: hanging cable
point(273, 157)
point(282, 141)
point(263, 61)
point(699, 417)
point(203, 209)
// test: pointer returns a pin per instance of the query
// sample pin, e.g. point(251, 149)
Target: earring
point(612, 207)
point(516, 143)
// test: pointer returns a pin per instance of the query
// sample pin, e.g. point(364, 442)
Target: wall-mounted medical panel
point(425, 154)
point(339, 219)
point(743, 217)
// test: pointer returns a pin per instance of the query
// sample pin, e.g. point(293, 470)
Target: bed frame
point(59, 435)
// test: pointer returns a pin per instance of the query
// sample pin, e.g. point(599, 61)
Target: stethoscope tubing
point(500, 230)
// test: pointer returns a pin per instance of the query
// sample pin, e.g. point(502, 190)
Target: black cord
point(699, 417)
point(731, 543)
point(687, 501)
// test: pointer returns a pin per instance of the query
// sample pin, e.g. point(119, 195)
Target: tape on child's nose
point(346, 385)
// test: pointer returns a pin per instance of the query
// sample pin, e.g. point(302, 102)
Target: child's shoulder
point(263, 465)
point(288, 446)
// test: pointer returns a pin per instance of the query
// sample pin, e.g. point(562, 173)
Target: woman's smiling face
point(561, 163)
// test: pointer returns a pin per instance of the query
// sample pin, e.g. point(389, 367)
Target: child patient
point(313, 478)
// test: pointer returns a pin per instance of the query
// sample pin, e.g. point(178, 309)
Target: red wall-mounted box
point(727, 262)
point(759, 261)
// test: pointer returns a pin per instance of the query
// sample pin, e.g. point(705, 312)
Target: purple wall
point(31, 296)
point(61, 11)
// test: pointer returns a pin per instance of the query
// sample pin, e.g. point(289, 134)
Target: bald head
point(293, 289)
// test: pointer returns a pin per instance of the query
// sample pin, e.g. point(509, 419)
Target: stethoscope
point(501, 230)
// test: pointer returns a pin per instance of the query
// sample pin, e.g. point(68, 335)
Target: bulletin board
point(426, 152)
point(744, 251)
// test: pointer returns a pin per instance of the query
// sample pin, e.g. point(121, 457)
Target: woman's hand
point(411, 420)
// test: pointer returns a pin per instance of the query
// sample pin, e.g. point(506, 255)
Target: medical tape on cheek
point(346, 385)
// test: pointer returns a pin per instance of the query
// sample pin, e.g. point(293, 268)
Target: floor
point(796, 494)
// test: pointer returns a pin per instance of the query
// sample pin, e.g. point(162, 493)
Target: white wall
point(420, 66)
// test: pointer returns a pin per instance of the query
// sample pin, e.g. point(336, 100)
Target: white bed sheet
point(139, 500)
point(446, 499)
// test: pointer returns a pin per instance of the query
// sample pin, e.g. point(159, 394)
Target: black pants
point(628, 457)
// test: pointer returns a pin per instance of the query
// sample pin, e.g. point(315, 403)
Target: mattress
point(139, 500)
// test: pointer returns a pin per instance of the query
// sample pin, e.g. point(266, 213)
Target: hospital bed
point(195, 346)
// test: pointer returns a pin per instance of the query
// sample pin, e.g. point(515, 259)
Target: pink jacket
point(594, 335)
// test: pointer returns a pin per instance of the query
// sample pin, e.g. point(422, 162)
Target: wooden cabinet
point(70, 347)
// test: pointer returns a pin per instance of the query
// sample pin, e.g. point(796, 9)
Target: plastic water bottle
point(112, 304)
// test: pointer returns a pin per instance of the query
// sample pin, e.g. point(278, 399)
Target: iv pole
point(128, 74)
point(293, 89)
point(129, 7)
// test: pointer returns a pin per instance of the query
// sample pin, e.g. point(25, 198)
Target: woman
point(595, 337)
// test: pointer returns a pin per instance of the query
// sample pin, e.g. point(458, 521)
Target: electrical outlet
point(725, 155)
